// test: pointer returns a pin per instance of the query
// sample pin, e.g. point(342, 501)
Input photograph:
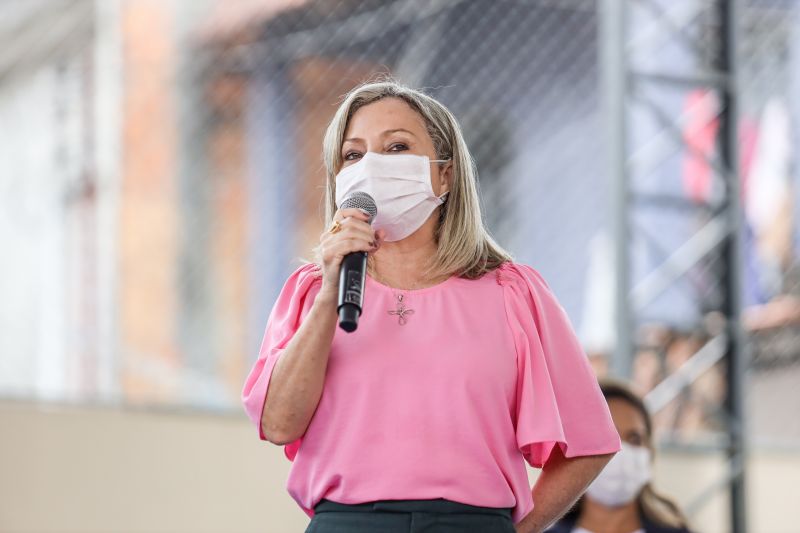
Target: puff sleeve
point(558, 399)
point(291, 307)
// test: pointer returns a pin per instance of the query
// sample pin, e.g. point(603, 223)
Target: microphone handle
point(352, 275)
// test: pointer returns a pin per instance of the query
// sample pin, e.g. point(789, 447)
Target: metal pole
point(732, 250)
point(615, 86)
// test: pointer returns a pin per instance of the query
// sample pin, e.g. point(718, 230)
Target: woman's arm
point(560, 484)
point(298, 377)
point(295, 385)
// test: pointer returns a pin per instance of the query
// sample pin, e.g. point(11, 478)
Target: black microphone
point(353, 270)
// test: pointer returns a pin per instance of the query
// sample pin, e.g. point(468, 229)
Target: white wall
point(110, 470)
point(106, 470)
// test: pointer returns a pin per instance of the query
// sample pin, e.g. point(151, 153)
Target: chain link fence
point(679, 191)
point(161, 174)
point(770, 85)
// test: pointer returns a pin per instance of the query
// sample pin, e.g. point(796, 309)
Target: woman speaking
point(464, 365)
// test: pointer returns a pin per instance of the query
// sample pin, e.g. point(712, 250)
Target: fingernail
point(366, 213)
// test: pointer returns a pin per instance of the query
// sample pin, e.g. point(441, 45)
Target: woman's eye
point(398, 147)
point(351, 156)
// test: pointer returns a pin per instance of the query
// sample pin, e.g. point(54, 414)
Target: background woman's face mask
point(401, 187)
point(623, 477)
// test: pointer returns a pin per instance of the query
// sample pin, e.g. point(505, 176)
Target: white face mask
point(623, 477)
point(401, 187)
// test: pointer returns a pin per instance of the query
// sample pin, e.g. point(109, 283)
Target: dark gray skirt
point(407, 516)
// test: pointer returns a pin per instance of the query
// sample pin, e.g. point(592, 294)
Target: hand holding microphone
point(344, 247)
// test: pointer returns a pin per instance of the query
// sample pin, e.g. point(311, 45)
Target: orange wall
point(148, 200)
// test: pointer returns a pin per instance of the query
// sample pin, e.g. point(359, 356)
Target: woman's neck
point(402, 269)
point(598, 518)
point(403, 264)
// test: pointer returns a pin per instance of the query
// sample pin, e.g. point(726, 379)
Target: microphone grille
point(360, 200)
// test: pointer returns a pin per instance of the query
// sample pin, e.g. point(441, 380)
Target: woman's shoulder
point(521, 278)
point(665, 529)
point(511, 271)
point(565, 525)
point(652, 527)
point(528, 295)
point(302, 279)
point(298, 291)
point(307, 272)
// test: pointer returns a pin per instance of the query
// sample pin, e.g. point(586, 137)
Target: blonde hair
point(464, 246)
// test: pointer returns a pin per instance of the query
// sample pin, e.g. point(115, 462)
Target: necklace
point(401, 310)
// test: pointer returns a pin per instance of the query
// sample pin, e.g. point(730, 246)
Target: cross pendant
point(401, 311)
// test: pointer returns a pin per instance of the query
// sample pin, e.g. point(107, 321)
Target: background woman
point(622, 498)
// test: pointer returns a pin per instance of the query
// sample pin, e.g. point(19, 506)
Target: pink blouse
point(483, 374)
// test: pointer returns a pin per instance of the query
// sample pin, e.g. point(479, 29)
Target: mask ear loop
point(446, 195)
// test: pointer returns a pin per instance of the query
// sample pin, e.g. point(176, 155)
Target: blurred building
point(58, 193)
point(162, 175)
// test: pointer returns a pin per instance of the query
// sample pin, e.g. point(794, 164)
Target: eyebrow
point(384, 134)
point(636, 433)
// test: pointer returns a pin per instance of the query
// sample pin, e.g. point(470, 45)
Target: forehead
point(626, 416)
point(385, 114)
